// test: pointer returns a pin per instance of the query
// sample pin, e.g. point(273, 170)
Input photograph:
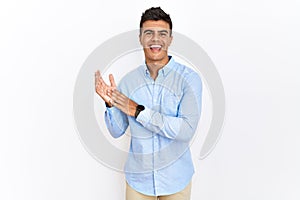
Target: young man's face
point(155, 38)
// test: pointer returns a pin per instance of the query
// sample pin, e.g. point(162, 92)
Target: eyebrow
point(161, 31)
point(147, 30)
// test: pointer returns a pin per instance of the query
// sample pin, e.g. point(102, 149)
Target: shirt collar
point(165, 70)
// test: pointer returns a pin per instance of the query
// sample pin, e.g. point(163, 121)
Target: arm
point(183, 126)
point(116, 121)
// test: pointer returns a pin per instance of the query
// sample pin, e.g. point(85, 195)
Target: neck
point(155, 66)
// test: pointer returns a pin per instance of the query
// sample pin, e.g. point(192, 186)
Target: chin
point(157, 57)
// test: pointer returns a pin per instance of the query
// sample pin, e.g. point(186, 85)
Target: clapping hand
point(112, 96)
point(104, 90)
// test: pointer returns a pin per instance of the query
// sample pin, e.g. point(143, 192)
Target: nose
point(155, 36)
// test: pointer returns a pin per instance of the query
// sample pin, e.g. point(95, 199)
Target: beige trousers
point(132, 194)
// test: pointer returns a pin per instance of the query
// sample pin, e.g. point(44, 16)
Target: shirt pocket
point(170, 104)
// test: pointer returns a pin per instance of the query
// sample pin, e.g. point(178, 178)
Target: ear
point(140, 39)
point(170, 40)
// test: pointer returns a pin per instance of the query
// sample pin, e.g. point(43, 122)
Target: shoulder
point(187, 73)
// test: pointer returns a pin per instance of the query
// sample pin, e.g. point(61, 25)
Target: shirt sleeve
point(116, 121)
point(183, 126)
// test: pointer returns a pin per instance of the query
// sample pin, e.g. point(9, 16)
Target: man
point(160, 102)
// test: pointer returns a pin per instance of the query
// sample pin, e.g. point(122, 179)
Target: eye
point(148, 33)
point(163, 34)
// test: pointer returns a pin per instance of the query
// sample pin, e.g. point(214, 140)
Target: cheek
point(142, 42)
point(145, 40)
point(169, 42)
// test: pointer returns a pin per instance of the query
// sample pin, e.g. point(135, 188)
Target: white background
point(255, 46)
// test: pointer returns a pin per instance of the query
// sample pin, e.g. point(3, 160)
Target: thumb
point(112, 81)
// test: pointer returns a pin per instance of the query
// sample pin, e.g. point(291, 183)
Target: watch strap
point(139, 108)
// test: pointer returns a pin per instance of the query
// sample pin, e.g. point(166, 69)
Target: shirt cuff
point(111, 109)
point(144, 116)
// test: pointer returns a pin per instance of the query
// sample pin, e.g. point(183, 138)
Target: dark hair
point(155, 13)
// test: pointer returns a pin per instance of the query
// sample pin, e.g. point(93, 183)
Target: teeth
point(155, 46)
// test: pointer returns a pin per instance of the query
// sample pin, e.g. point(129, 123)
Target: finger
point(96, 76)
point(114, 104)
point(116, 92)
point(107, 99)
point(120, 96)
point(102, 83)
point(119, 104)
point(115, 99)
point(99, 83)
point(116, 95)
point(123, 105)
point(118, 99)
point(112, 81)
point(99, 80)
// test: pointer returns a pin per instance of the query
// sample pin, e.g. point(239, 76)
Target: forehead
point(153, 24)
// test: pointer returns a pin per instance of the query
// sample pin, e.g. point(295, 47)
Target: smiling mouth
point(155, 47)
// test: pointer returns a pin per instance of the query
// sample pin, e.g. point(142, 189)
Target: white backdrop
point(255, 46)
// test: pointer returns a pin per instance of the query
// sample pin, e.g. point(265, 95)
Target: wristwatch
point(139, 108)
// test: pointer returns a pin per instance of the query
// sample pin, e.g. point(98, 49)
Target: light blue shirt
point(159, 160)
